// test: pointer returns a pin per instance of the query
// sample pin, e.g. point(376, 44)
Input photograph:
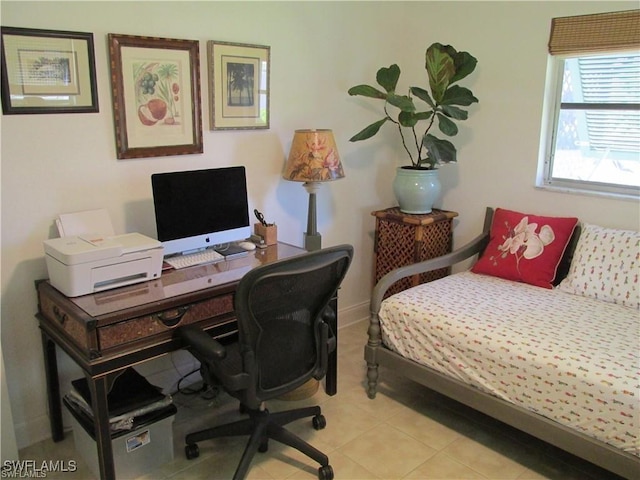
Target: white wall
point(8, 443)
point(64, 163)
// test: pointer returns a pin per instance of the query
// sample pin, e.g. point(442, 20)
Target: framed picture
point(238, 85)
point(156, 96)
point(47, 71)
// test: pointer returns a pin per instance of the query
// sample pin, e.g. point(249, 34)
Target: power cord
point(187, 390)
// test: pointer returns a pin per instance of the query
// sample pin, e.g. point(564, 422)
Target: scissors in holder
point(260, 217)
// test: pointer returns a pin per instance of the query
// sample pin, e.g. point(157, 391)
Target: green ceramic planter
point(416, 190)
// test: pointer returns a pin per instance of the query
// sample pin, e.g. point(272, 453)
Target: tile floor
point(407, 432)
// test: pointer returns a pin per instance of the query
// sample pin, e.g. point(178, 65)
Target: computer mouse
point(247, 245)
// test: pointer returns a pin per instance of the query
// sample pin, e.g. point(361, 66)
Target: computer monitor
point(198, 209)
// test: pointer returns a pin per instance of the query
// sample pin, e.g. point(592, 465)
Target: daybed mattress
point(572, 359)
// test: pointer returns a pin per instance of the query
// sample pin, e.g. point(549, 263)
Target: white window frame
point(551, 115)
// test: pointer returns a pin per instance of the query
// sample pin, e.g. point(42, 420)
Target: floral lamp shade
point(313, 157)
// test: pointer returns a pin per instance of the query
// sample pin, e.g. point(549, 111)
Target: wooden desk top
point(175, 283)
point(138, 320)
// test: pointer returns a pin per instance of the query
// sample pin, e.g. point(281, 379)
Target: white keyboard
point(197, 258)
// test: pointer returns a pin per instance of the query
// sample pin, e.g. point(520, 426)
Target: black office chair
point(283, 342)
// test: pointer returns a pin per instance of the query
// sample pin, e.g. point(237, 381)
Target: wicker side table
point(402, 239)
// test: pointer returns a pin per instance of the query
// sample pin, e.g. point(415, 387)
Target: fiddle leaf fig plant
point(445, 66)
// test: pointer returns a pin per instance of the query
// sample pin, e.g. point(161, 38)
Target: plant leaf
point(442, 151)
point(454, 112)
point(440, 68)
point(403, 102)
point(369, 131)
point(408, 119)
point(424, 115)
point(367, 91)
point(423, 95)
point(456, 95)
point(465, 64)
point(387, 78)
point(447, 126)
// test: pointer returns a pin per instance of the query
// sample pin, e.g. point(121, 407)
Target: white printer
point(88, 263)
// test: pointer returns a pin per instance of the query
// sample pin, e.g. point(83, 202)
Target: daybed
point(561, 363)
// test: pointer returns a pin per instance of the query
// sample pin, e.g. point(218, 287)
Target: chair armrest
point(200, 341)
point(472, 248)
point(329, 318)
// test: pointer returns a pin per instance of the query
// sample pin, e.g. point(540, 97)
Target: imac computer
point(198, 209)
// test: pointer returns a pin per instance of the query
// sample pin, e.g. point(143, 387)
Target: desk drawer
point(70, 321)
point(163, 323)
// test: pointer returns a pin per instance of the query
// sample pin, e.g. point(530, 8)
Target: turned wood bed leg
point(372, 376)
point(374, 342)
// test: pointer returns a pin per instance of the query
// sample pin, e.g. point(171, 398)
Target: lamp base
point(312, 241)
point(312, 238)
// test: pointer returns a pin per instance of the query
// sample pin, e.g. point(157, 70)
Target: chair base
point(262, 426)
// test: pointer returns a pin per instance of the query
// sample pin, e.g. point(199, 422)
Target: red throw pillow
point(525, 248)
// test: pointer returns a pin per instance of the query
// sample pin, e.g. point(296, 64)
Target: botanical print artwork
point(157, 90)
point(523, 242)
point(156, 96)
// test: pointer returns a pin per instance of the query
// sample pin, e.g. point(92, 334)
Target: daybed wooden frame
point(376, 354)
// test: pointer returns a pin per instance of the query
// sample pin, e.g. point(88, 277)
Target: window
point(592, 136)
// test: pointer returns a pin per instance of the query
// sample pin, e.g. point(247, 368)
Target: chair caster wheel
point(264, 446)
point(192, 451)
point(319, 422)
point(325, 473)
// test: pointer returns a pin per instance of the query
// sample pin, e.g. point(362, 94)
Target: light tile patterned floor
point(407, 432)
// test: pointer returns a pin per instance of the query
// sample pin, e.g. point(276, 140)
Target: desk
point(106, 332)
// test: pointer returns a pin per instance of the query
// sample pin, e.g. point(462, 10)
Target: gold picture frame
point(238, 85)
point(156, 96)
point(47, 71)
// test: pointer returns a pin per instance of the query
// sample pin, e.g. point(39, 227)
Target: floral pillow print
point(525, 248)
point(606, 266)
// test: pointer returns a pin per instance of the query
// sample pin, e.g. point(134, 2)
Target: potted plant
point(445, 66)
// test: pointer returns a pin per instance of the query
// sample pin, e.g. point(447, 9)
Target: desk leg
point(53, 388)
point(99, 388)
point(331, 378)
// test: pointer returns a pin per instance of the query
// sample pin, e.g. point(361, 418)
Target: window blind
point(600, 32)
point(612, 79)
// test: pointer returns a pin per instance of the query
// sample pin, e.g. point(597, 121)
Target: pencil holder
point(268, 233)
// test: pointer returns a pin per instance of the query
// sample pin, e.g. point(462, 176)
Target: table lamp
point(313, 159)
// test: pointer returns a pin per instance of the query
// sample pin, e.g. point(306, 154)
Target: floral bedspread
point(573, 359)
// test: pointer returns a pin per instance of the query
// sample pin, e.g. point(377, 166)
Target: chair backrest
point(280, 309)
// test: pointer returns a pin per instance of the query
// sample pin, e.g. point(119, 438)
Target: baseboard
point(353, 314)
point(33, 431)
